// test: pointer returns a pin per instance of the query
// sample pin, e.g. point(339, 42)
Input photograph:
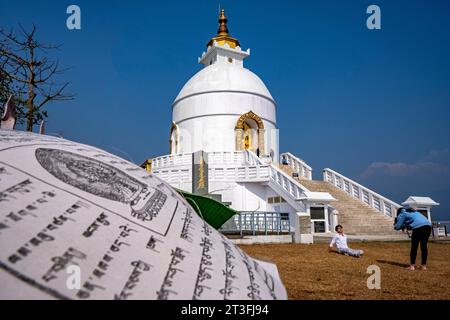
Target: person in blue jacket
point(421, 231)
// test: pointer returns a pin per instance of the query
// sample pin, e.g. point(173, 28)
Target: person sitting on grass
point(340, 239)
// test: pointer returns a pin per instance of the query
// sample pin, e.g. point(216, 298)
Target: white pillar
point(303, 232)
point(327, 222)
point(335, 218)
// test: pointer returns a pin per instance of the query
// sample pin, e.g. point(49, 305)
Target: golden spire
point(223, 36)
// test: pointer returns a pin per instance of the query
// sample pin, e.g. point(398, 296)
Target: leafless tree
point(27, 72)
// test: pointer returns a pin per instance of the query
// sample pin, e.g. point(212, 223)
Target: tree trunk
point(31, 94)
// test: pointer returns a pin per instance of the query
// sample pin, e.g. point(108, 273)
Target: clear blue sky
point(373, 105)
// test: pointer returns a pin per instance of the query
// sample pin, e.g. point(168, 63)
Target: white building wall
point(250, 197)
point(207, 121)
point(243, 196)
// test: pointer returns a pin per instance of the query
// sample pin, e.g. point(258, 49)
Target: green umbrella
point(212, 211)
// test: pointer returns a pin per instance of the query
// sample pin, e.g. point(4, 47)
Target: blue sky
point(373, 105)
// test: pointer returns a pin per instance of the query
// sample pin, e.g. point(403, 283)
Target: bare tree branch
point(27, 71)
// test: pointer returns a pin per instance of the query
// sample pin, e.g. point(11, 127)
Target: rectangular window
point(284, 216)
point(270, 200)
point(319, 226)
point(317, 213)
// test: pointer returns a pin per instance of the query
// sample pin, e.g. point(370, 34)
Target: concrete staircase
point(356, 217)
point(288, 170)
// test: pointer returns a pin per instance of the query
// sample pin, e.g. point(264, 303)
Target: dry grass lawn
point(310, 272)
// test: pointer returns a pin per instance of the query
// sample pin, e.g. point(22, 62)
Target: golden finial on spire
point(223, 36)
point(223, 30)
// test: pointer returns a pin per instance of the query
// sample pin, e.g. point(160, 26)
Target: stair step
point(356, 216)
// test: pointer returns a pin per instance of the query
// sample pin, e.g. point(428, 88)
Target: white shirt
point(340, 240)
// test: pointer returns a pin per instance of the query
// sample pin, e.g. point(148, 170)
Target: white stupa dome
point(222, 77)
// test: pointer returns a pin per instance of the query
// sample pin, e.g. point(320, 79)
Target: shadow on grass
point(394, 263)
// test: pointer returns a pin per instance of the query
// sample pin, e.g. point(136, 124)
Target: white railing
point(252, 159)
point(239, 174)
point(172, 160)
point(240, 166)
point(365, 195)
point(223, 166)
point(298, 165)
point(226, 158)
point(280, 178)
point(174, 176)
point(248, 222)
point(286, 183)
point(232, 174)
point(185, 159)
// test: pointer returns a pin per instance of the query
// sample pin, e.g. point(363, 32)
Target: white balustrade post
point(265, 223)
point(350, 188)
point(388, 209)
point(240, 223)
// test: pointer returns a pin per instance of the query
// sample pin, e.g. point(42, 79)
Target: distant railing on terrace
point(239, 174)
point(298, 165)
point(367, 196)
point(257, 223)
point(235, 158)
point(227, 166)
point(171, 160)
point(227, 158)
point(242, 174)
point(174, 176)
